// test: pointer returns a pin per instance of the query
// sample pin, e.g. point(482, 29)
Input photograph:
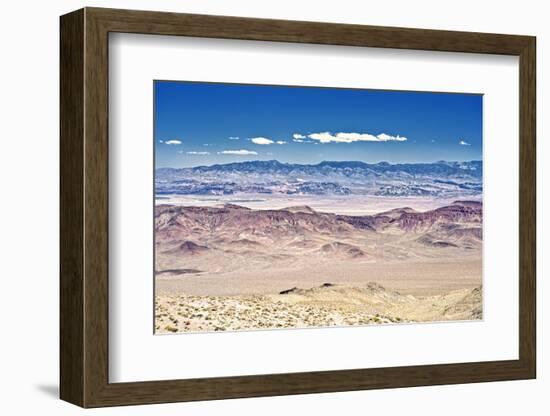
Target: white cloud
point(298, 138)
point(261, 140)
point(327, 137)
point(161, 141)
point(173, 141)
point(280, 142)
point(241, 152)
point(234, 138)
point(389, 138)
point(198, 153)
point(463, 143)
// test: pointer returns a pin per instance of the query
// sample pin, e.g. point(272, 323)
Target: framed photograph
point(257, 207)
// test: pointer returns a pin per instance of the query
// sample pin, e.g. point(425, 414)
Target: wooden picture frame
point(84, 207)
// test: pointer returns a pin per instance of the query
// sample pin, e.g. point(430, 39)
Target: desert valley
point(266, 245)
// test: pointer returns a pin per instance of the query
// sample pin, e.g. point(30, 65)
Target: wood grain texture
point(84, 204)
point(162, 23)
point(71, 100)
point(96, 208)
point(527, 208)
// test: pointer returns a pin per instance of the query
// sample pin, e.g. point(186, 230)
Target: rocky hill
point(234, 236)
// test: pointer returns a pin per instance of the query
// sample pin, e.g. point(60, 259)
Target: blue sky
point(208, 123)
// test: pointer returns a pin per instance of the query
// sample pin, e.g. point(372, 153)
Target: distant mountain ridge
point(450, 179)
point(473, 168)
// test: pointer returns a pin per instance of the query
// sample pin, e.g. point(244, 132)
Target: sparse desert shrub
point(171, 328)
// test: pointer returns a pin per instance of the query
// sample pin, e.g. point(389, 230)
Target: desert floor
point(421, 278)
point(321, 296)
point(350, 204)
point(323, 306)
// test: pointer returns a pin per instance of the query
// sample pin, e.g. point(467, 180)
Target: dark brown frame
point(84, 207)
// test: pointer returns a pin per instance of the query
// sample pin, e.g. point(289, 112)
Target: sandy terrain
point(327, 305)
point(419, 278)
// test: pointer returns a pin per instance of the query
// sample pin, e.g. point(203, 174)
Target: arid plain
point(224, 266)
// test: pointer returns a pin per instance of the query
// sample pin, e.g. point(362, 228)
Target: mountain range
point(438, 179)
point(198, 237)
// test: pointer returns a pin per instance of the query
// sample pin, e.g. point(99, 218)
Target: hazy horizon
point(323, 161)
